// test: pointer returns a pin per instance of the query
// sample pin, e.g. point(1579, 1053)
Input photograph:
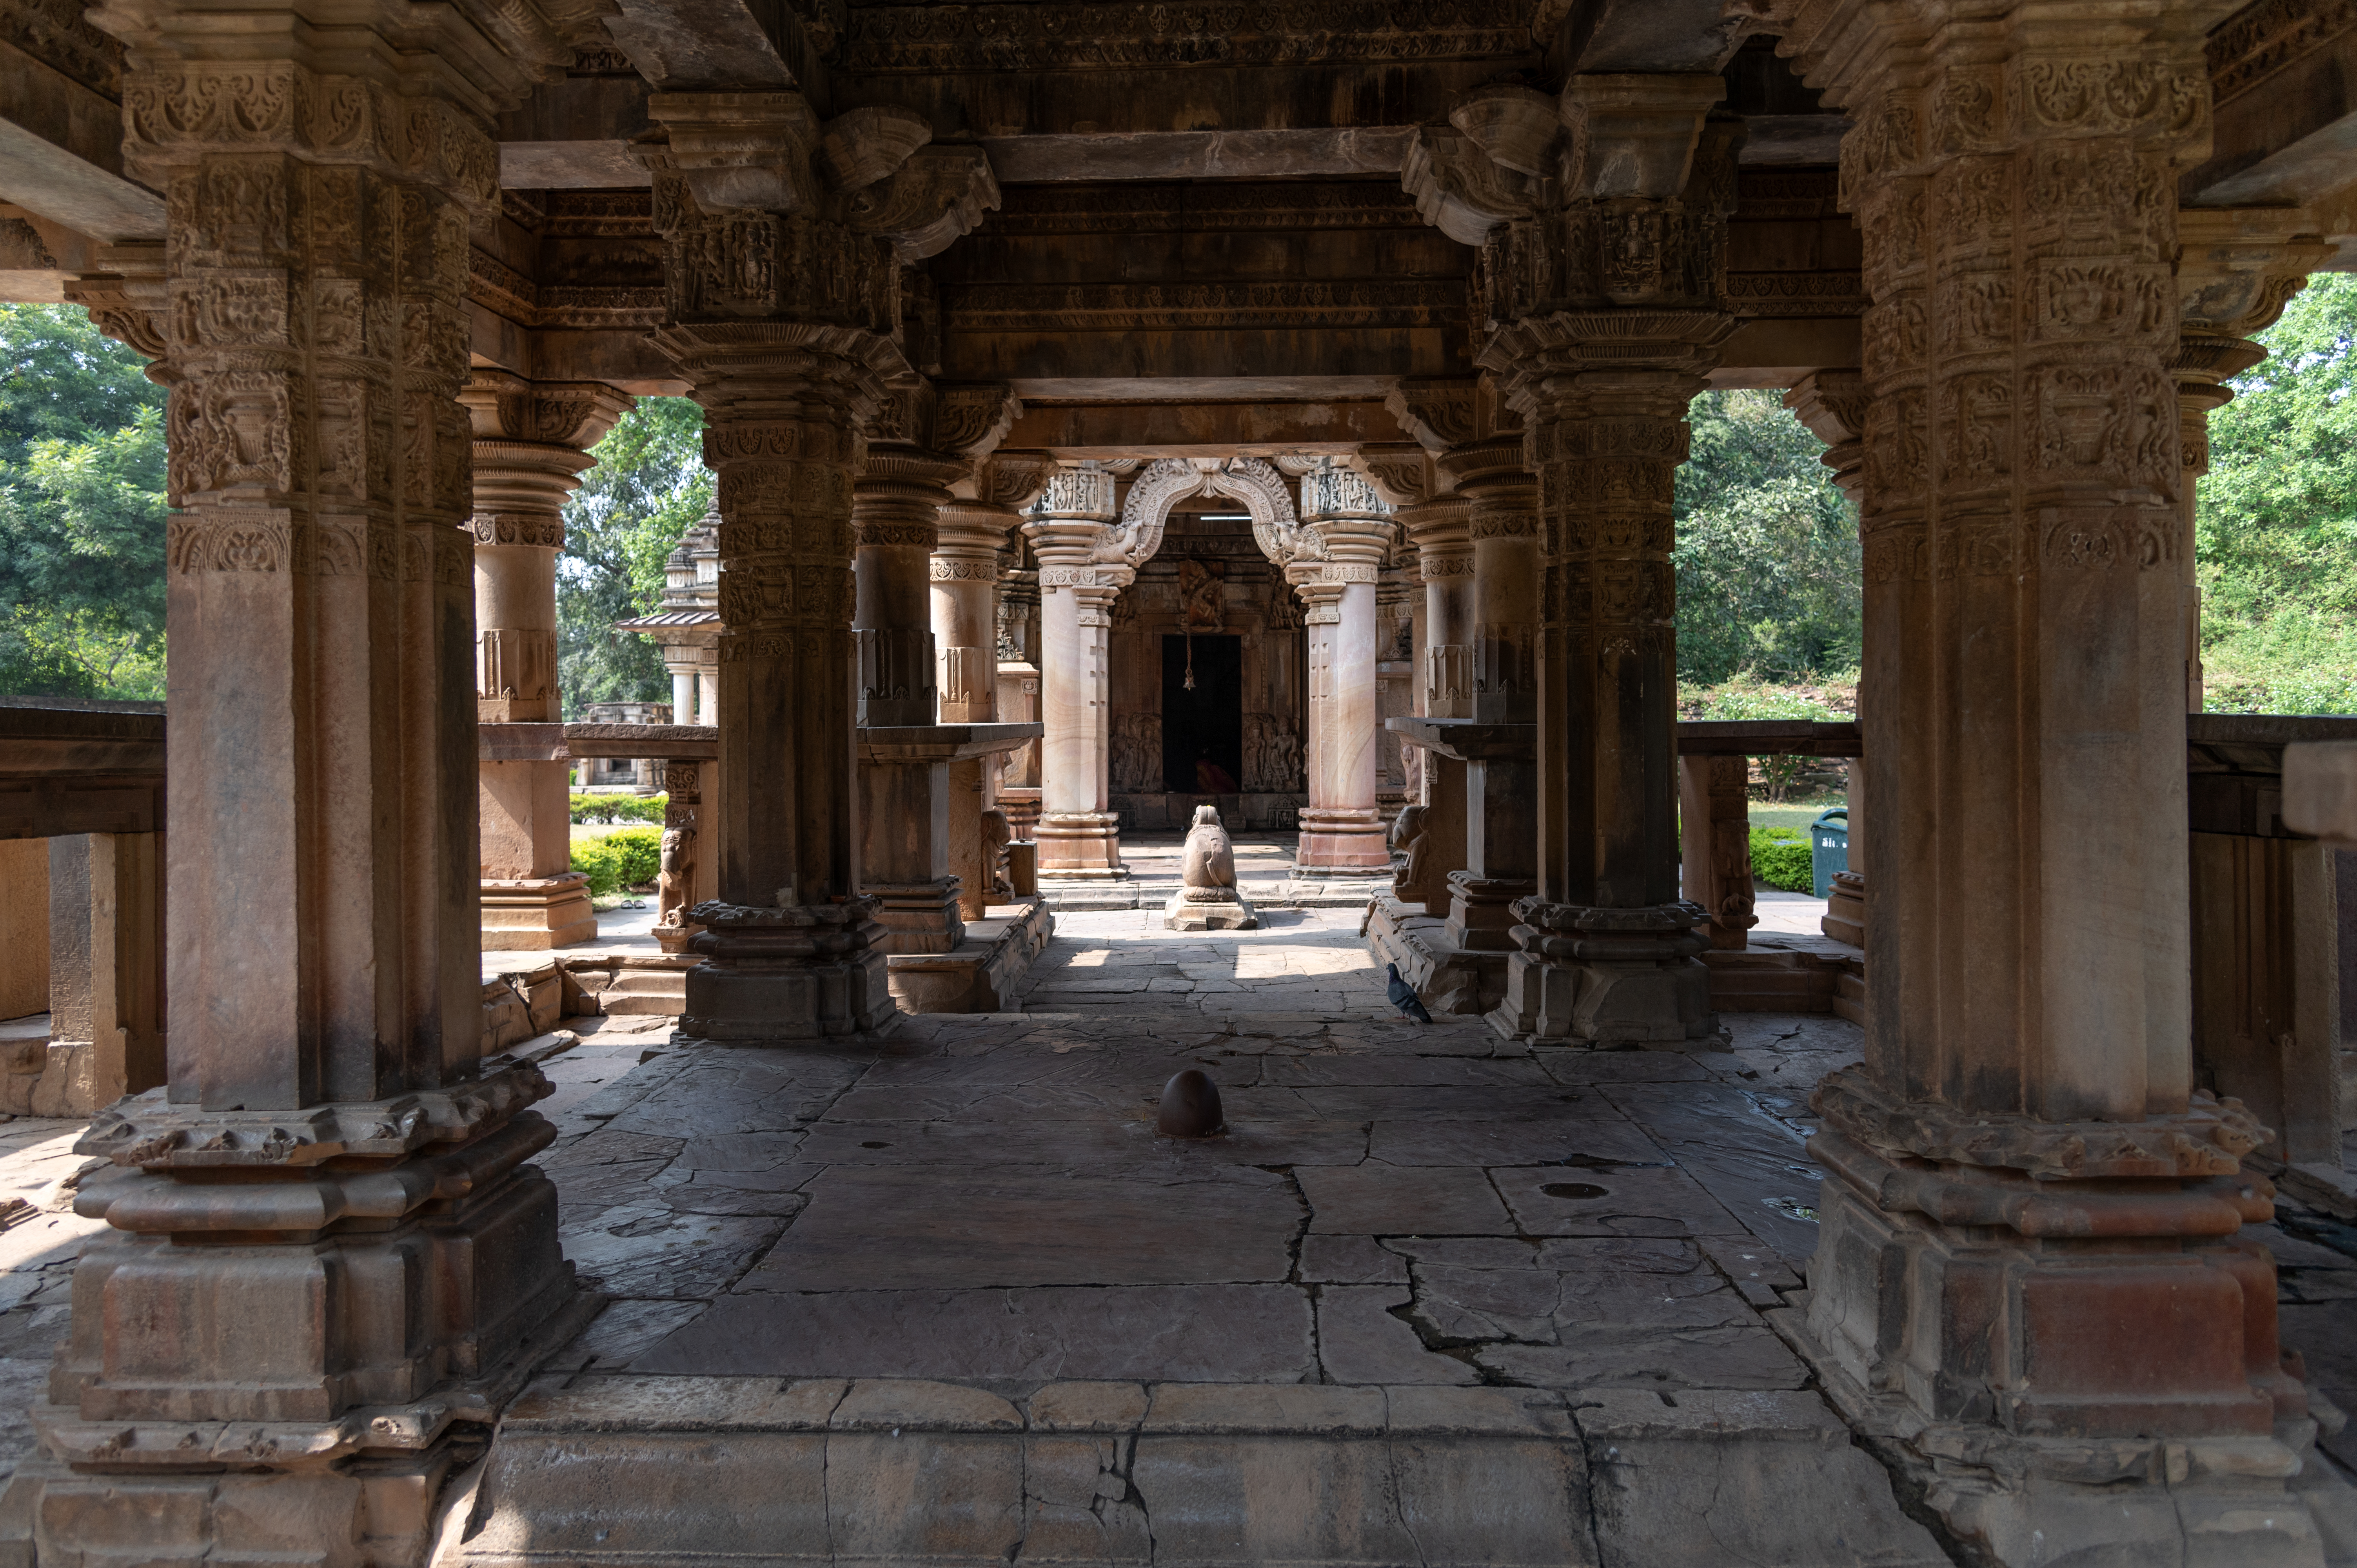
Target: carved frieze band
point(1072, 36)
point(1147, 307)
point(182, 112)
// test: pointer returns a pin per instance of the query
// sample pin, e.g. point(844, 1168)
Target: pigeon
point(1403, 996)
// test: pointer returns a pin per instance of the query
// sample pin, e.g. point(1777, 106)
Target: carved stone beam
point(1634, 135)
point(740, 149)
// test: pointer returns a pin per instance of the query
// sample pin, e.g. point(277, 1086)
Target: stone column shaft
point(106, 972)
point(1080, 837)
point(974, 536)
point(324, 955)
point(531, 445)
point(1834, 403)
point(1714, 819)
point(2025, 674)
point(784, 401)
point(1342, 831)
point(1438, 522)
point(1500, 789)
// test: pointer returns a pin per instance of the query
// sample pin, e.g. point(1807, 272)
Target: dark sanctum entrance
point(1203, 730)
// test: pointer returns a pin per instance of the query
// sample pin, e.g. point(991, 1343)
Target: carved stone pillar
point(531, 445)
point(916, 804)
point(1483, 456)
point(974, 538)
point(106, 971)
point(2029, 1248)
point(781, 267)
point(1436, 520)
point(1342, 831)
point(1085, 561)
point(1834, 403)
point(2237, 268)
point(328, 1208)
point(1605, 284)
point(1715, 845)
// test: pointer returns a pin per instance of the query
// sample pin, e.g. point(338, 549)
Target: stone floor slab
point(914, 1228)
point(1200, 1333)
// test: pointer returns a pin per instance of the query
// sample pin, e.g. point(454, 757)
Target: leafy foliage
point(2275, 520)
point(648, 487)
point(589, 809)
point(1767, 554)
point(626, 857)
point(82, 510)
point(1780, 858)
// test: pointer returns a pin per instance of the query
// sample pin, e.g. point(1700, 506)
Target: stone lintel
point(1768, 738)
point(673, 743)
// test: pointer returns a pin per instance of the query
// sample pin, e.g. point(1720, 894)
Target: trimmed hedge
point(629, 858)
point(1779, 857)
point(588, 808)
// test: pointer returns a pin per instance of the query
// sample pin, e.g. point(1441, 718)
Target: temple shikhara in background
point(1118, 410)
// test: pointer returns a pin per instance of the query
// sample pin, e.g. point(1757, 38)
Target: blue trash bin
point(1828, 849)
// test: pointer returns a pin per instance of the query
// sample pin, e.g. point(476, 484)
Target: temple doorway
point(1202, 729)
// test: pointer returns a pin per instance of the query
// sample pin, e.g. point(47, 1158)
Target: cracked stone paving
point(982, 1201)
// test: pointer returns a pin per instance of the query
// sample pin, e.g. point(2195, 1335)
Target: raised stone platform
point(1265, 877)
point(986, 973)
point(619, 1469)
point(1447, 979)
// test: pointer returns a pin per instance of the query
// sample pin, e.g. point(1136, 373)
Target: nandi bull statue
point(1206, 899)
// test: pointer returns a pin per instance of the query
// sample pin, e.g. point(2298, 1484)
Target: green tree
point(1767, 554)
point(648, 487)
point(82, 510)
point(2275, 520)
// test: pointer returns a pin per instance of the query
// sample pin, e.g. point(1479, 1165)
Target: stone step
point(622, 1470)
point(645, 991)
point(1277, 893)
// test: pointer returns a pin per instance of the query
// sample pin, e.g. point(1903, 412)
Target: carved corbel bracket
point(1460, 190)
point(1402, 475)
point(861, 147)
point(507, 408)
point(938, 197)
point(126, 301)
point(1009, 480)
point(2236, 270)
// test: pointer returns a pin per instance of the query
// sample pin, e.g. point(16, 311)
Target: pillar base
point(1966, 1308)
point(775, 976)
point(1609, 978)
point(918, 916)
point(1208, 909)
point(530, 913)
point(1342, 844)
point(1482, 911)
point(1080, 846)
point(275, 1358)
point(1845, 915)
point(1022, 808)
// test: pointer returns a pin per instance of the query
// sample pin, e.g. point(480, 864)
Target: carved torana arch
point(1246, 479)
